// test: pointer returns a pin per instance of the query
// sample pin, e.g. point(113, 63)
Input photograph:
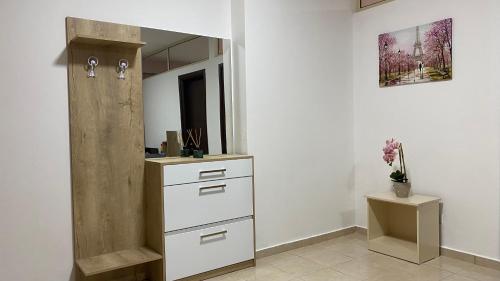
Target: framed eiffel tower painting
point(414, 55)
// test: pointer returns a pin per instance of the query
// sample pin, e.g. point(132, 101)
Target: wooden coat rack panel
point(107, 152)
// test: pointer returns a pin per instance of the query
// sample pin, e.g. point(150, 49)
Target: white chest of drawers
point(200, 215)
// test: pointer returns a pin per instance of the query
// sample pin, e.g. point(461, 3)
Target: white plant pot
point(402, 189)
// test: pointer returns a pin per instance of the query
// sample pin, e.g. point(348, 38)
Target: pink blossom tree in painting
point(385, 45)
point(416, 55)
point(438, 46)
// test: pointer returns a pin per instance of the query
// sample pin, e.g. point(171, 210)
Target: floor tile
point(327, 274)
point(296, 265)
point(480, 273)
point(225, 277)
point(428, 273)
point(360, 269)
point(307, 249)
point(324, 256)
point(449, 264)
point(465, 269)
point(455, 277)
point(350, 249)
point(274, 276)
point(390, 276)
point(272, 259)
point(347, 258)
point(261, 272)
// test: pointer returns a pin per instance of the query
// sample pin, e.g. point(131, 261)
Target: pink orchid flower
point(390, 151)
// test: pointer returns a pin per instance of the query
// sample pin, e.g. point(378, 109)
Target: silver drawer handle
point(212, 171)
point(212, 187)
point(213, 234)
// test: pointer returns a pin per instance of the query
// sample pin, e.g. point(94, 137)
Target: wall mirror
point(186, 86)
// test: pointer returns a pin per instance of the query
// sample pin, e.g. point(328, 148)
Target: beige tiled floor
point(348, 259)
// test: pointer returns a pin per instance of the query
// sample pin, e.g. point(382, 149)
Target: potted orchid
point(401, 185)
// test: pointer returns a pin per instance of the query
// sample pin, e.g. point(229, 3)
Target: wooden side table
point(405, 228)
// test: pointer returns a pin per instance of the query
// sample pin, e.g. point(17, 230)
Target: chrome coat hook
point(92, 63)
point(122, 66)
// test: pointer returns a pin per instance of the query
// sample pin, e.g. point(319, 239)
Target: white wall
point(299, 116)
point(450, 129)
point(162, 104)
point(35, 190)
point(239, 121)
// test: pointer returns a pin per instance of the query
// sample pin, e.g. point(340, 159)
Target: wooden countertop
point(188, 160)
point(413, 200)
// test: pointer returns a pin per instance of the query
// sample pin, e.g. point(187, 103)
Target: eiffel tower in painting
point(417, 47)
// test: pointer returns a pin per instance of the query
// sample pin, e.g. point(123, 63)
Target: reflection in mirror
point(186, 88)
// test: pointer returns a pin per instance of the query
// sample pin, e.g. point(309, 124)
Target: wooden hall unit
point(107, 154)
point(136, 219)
point(406, 228)
point(200, 215)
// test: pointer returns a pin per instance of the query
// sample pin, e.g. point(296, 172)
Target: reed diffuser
point(195, 135)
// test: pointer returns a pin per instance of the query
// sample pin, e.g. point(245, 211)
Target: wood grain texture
point(107, 148)
point(155, 228)
point(116, 260)
point(107, 145)
point(103, 31)
point(83, 39)
point(132, 273)
point(190, 160)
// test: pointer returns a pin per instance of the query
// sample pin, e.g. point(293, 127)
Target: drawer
point(194, 204)
point(198, 251)
point(205, 171)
